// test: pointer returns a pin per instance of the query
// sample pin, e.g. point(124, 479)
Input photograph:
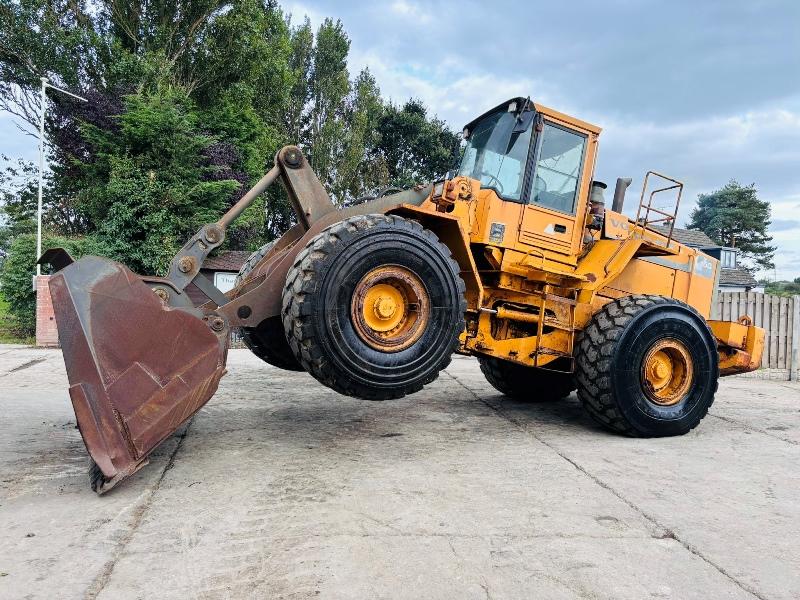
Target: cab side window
point(558, 169)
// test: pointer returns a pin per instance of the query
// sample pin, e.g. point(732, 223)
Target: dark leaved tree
point(733, 216)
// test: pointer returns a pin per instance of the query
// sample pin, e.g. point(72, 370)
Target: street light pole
point(41, 177)
point(43, 108)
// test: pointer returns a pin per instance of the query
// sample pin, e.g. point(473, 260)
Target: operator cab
point(538, 158)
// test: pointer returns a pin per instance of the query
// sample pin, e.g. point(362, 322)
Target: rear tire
point(267, 340)
point(625, 389)
point(530, 384)
point(339, 278)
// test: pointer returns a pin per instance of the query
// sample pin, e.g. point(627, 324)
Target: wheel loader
point(512, 258)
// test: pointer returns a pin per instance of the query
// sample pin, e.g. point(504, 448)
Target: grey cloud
point(659, 60)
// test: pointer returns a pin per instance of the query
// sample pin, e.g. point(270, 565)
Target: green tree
point(301, 59)
point(18, 200)
point(329, 86)
point(54, 38)
point(15, 278)
point(414, 147)
point(245, 81)
point(151, 184)
point(733, 216)
point(360, 168)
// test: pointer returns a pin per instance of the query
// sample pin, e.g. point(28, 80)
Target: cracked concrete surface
point(280, 488)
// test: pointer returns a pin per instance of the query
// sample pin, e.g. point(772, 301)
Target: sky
point(705, 91)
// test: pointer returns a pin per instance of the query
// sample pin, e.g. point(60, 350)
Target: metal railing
point(663, 216)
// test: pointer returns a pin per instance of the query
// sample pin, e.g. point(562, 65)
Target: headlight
point(438, 188)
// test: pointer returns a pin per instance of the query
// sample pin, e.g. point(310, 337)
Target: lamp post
point(43, 107)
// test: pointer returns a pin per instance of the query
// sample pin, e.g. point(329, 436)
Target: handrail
point(669, 217)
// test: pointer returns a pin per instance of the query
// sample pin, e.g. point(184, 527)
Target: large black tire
point(317, 306)
point(267, 340)
point(610, 358)
point(526, 383)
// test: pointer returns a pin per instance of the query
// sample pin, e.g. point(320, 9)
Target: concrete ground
point(280, 488)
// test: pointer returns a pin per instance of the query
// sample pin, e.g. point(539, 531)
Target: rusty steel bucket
point(137, 368)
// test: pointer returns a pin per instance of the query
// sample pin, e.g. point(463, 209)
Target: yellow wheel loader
point(512, 258)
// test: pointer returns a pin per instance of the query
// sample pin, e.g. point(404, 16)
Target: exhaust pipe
point(619, 193)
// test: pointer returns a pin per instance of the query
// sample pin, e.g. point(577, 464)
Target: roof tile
point(740, 277)
point(230, 260)
point(689, 237)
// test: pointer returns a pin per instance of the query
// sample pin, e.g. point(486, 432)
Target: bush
point(16, 278)
point(782, 288)
point(9, 329)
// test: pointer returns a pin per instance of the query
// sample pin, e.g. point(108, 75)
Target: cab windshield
point(496, 155)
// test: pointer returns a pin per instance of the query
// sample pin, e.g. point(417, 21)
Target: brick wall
point(46, 331)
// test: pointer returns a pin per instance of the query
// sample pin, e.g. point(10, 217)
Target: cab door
point(551, 219)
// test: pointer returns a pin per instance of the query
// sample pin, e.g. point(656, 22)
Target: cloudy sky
point(704, 91)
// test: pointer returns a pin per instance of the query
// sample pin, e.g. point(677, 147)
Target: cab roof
point(577, 123)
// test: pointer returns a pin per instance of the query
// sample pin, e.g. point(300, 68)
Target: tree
point(54, 38)
point(188, 104)
point(782, 288)
point(301, 59)
point(414, 147)
point(155, 180)
point(18, 201)
point(15, 278)
point(733, 216)
point(329, 86)
point(360, 168)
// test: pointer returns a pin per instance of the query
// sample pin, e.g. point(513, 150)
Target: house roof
point(737, 277)
point(230, 260)
point(689, 237)
point(697, 239)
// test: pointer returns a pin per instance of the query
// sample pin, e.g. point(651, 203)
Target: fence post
point(794, 372)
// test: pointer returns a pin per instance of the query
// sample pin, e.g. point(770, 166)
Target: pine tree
point(733, 216)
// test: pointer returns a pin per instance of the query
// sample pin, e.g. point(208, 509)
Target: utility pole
point(43, 108)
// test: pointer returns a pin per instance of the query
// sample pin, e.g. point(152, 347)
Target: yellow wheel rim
point(390, 308)
point(667, 372)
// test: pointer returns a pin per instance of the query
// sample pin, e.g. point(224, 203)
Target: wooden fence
point(779, 315)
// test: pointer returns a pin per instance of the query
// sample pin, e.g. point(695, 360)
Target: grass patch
point(8, 327)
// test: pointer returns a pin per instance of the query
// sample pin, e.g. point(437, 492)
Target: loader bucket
point(137, 369)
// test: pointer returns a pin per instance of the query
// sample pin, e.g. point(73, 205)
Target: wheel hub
point(383, 307)
point(667, 372)
point(390, 308)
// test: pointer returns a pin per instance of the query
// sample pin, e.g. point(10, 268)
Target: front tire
point(373, 307)
point(647, 366)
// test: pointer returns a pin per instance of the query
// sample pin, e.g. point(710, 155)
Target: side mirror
point(524, 121)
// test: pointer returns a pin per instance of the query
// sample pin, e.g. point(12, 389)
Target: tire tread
point(297, 312)
point(595, 348)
